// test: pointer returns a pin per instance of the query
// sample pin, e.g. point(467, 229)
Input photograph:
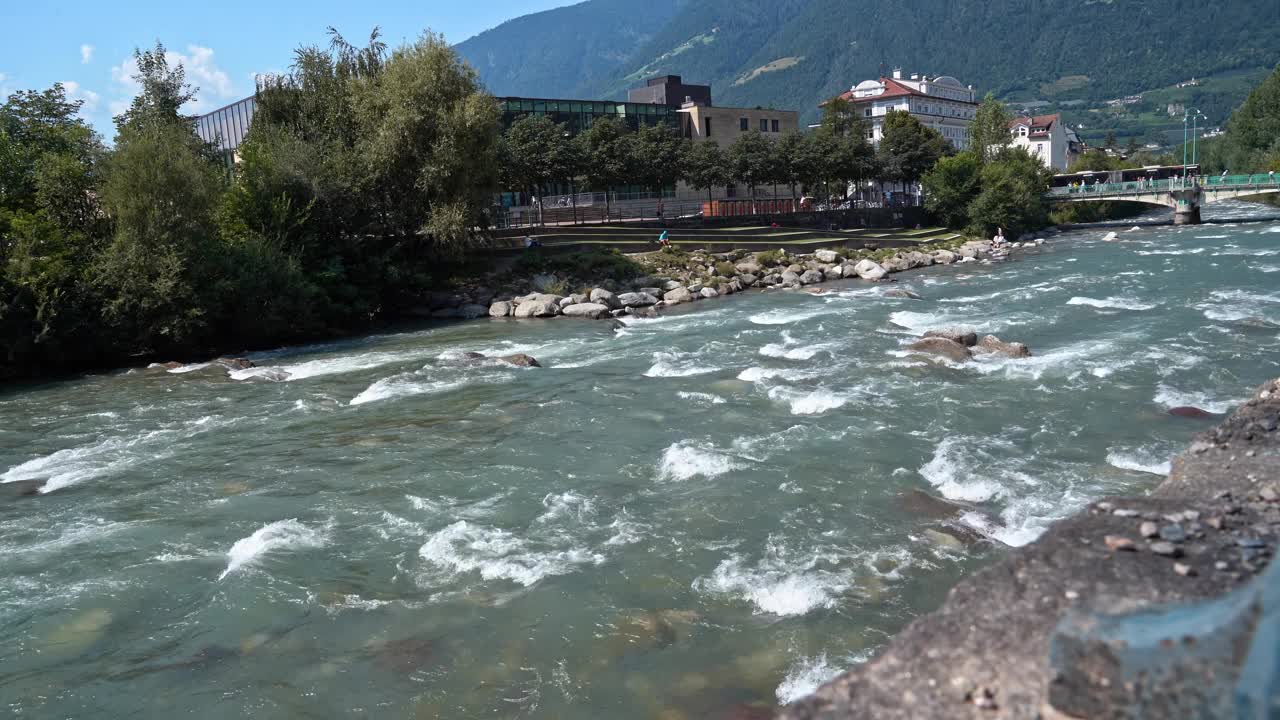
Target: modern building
point(707, 122)
point(1045, 137)
point(669, 90)
point(578, 115)
point(227, 126)
point(940, 102)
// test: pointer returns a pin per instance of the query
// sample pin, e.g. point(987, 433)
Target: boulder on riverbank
point(594, 311)
point(501, 309)
point(537, 308)
point(869, 270)
point(1091, 620)
point(678, 295)
point(637, 299)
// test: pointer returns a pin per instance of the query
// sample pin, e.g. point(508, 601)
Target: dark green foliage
point(751, 160)
point(706, 167)
point(585, 265)
point(1012, 196)
point(950, 186)
point(726, 269)
point(989, 133)
point(908, 148)
point(1252, 142)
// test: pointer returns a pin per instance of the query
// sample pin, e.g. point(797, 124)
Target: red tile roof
point(891, 89)
point(1045, 122)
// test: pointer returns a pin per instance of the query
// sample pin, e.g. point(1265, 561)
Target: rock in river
point(500, 309)
point(968, 338)
point(678, 295)
point(1190, 412)
point(520, 360)
point(637, 299)
point(949, 349)
point(536, 308)
point(996, 346)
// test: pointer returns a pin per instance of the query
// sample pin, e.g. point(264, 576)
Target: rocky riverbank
point(674, 277)
point(1049, 632)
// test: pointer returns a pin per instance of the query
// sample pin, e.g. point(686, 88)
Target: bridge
point(1184, 195)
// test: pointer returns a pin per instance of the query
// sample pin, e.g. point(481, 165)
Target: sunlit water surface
point(702, 513)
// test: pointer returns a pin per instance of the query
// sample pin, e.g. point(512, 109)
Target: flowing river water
point(700, 515)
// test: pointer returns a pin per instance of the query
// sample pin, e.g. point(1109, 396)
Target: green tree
point(427, 146)
point(1252, 139)
point(707, 167)
point(908, 149)
point(1012, 196)
point(531, 153)
point(789, 160)
point(950, 186)
point(164, 91)
point(608, 156)
point(989, 132)
point(1110, 142)
point(839, 117)
point(751, 160)
point(658, 156)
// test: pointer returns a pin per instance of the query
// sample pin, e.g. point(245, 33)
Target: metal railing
point(1260, 181)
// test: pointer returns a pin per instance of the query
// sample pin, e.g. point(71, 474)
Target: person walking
point(1271, 176)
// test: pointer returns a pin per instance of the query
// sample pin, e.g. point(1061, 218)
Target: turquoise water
point(703, 513)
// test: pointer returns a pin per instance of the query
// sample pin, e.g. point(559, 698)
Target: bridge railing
point(1137, 187)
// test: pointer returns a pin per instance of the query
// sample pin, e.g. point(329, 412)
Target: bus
point(1148, 172)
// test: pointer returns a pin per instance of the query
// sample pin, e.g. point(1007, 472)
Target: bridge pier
point(1186, 205)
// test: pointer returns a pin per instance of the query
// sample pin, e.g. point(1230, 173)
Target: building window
point(764, 125)
point(867, 112)
point(744, 124)
point(775, 125)
point(706, 127)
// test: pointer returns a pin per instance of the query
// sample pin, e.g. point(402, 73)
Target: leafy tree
point(812, 161)
point(839, 117)
point(658, 156)
point(1132, 147)
point(427, 145)
point(1110, 142)
point(1252, 139)
point(1012, 197)
point(908, 149)
point(531, 153)
point(751, 160)
point(951, 185)
point(789, 160)
point(164, 91)
point(707, 167)
point(989, 132)
point(608, 155)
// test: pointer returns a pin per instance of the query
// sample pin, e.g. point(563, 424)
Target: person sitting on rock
point(663, 240)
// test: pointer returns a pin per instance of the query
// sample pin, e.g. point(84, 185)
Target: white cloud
point(214, 86)
point(75, 92)
point(86, 54)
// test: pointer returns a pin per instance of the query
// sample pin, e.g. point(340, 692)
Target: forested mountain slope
point(794, 53)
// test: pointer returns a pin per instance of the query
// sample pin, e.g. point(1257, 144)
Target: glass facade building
point(579, 114)
point(227, 126)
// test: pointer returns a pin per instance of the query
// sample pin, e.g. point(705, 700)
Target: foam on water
point(1139, 460)
point(808, 402)
point(949, 470)
point(783, 316)
point(759, 374)
point(1172, 397)
point(107, 457)
point(400, 386)
point(1111, 303)
point(496, 554)
point(339, 365)
point(678, 364)
point(701, 397)
point(272, 537)
point(775, 586)
point(686, 460)
point(788, 350)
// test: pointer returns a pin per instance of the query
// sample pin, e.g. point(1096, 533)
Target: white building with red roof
point(1045, 137)
point(939, 102)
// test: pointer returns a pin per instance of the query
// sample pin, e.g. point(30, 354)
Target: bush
point(771, 257)
point(587, 265)
point(726, 269)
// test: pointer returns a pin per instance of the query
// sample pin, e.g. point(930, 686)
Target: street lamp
point(1187, 115)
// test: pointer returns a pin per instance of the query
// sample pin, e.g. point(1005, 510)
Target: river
point(700, 514)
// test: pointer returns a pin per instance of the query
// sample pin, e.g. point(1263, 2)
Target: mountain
point(556, 52)
point(795, 53)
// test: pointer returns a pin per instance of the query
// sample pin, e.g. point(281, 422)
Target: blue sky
point(88, 46)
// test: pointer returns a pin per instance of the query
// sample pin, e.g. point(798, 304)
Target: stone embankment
point(1079, 624)
point(682, 278)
